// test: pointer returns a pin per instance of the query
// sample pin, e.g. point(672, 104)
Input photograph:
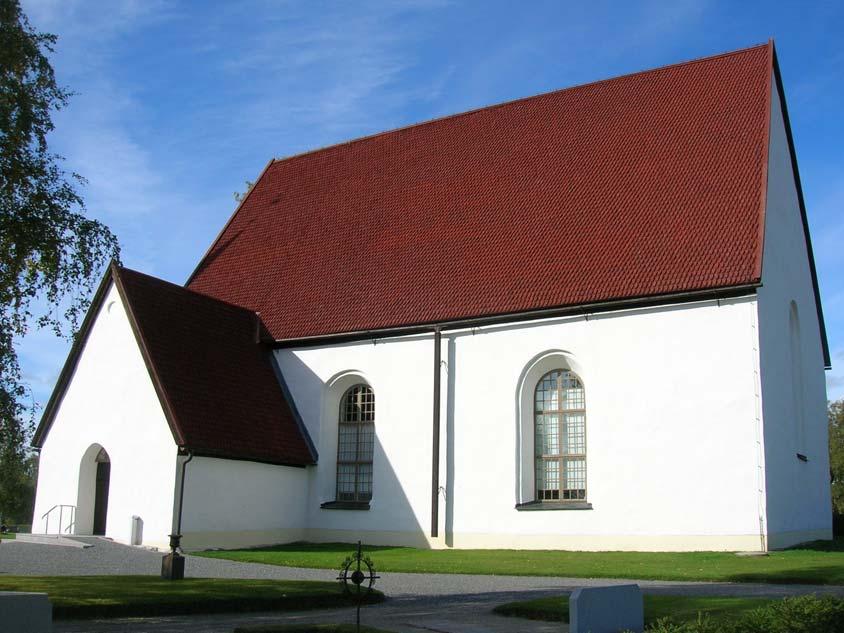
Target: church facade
point(586, 320)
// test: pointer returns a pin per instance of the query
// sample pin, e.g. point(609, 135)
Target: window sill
point(532, 506)
point(345, 505)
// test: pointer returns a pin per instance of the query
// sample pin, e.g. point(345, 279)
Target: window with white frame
point(560, 437)
point(356, 441)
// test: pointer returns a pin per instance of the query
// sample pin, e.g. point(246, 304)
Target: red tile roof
point(643, 185)
point(219, 382)
point(216, 384)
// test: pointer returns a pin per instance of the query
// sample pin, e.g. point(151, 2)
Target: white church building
point(583, 320)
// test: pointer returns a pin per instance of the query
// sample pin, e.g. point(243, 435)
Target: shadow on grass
point(835, 545)
point(84, 597)
point(308, 628)
point(678, 608)
point(326, 548)
point(803, 575)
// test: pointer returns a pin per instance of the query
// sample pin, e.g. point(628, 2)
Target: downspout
point(435, 462)
point(182, 495)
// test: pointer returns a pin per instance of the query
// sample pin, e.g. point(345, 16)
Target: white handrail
point(61, 507)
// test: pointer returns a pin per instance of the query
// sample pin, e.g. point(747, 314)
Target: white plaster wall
point(798, 503)
point(231, 503)
point(401, 377)
point(111, 401)
point(671, 432)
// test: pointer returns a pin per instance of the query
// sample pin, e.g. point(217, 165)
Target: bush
point(702, 625)
point(804, 614)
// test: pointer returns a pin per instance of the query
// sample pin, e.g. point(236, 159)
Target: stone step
point(51, 539)
point(25, 612)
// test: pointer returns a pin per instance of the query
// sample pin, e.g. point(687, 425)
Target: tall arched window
point(356, 439)
point(560, 437)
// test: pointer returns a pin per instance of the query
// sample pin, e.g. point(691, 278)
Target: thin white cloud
point(74, 19)
point(335, 73)
point(299, 76)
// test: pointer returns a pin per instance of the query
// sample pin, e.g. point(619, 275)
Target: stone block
point(606, 609)
point(23, 612)
point(173, 566)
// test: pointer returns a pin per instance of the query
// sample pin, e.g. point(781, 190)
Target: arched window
point(356, 439)
point(560, 437)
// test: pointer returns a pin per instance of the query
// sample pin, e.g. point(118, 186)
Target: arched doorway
point(92, 497)
point(101, 492)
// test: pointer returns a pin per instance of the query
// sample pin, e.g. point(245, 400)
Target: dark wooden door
point(101, 497)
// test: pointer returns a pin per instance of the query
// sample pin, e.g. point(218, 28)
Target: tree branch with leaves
point(836, 454)
point(51, 253)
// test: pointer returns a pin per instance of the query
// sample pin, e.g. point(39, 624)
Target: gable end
point(803, 217)
point(112, 275)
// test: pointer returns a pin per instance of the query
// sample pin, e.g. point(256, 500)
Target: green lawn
point(818, 563)
point(678, 608)
point(114, 596)
point(10, 535)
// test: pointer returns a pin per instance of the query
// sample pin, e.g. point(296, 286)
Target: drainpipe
point(178, 534)
point(435, 464)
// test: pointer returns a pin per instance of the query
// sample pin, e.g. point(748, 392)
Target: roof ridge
point(121, 269)
point(540, 95)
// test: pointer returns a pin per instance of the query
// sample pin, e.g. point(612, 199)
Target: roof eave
point(803, 216)
point(69, 367)
point(583, 309)
point(220, 454)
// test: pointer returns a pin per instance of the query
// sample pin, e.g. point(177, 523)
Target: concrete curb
point(50, 539)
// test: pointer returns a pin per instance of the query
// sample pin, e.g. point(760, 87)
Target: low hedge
point(803, 614)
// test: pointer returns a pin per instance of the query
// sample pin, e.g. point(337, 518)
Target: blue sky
point(178, 104)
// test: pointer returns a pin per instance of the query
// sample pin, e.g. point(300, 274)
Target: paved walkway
point(443, 603)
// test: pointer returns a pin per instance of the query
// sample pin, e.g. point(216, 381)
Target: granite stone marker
point(606, 609)
point(24, 612)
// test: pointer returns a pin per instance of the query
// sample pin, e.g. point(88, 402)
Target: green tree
point(50, 252)
point(836, 454)
point(19, 491)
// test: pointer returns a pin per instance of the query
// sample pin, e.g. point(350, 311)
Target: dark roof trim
point(201, 452)
point(163, 398)
point(824, 341)
point(300, 422)
point(69, 366)
point(763, 181)
point(531, 315)
point(111, 275)
point(114, 276)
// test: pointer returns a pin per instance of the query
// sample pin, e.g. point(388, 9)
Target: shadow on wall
point(401, 487)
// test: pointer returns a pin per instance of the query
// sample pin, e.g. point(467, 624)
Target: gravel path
point(444, 603)
point(108, 558)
